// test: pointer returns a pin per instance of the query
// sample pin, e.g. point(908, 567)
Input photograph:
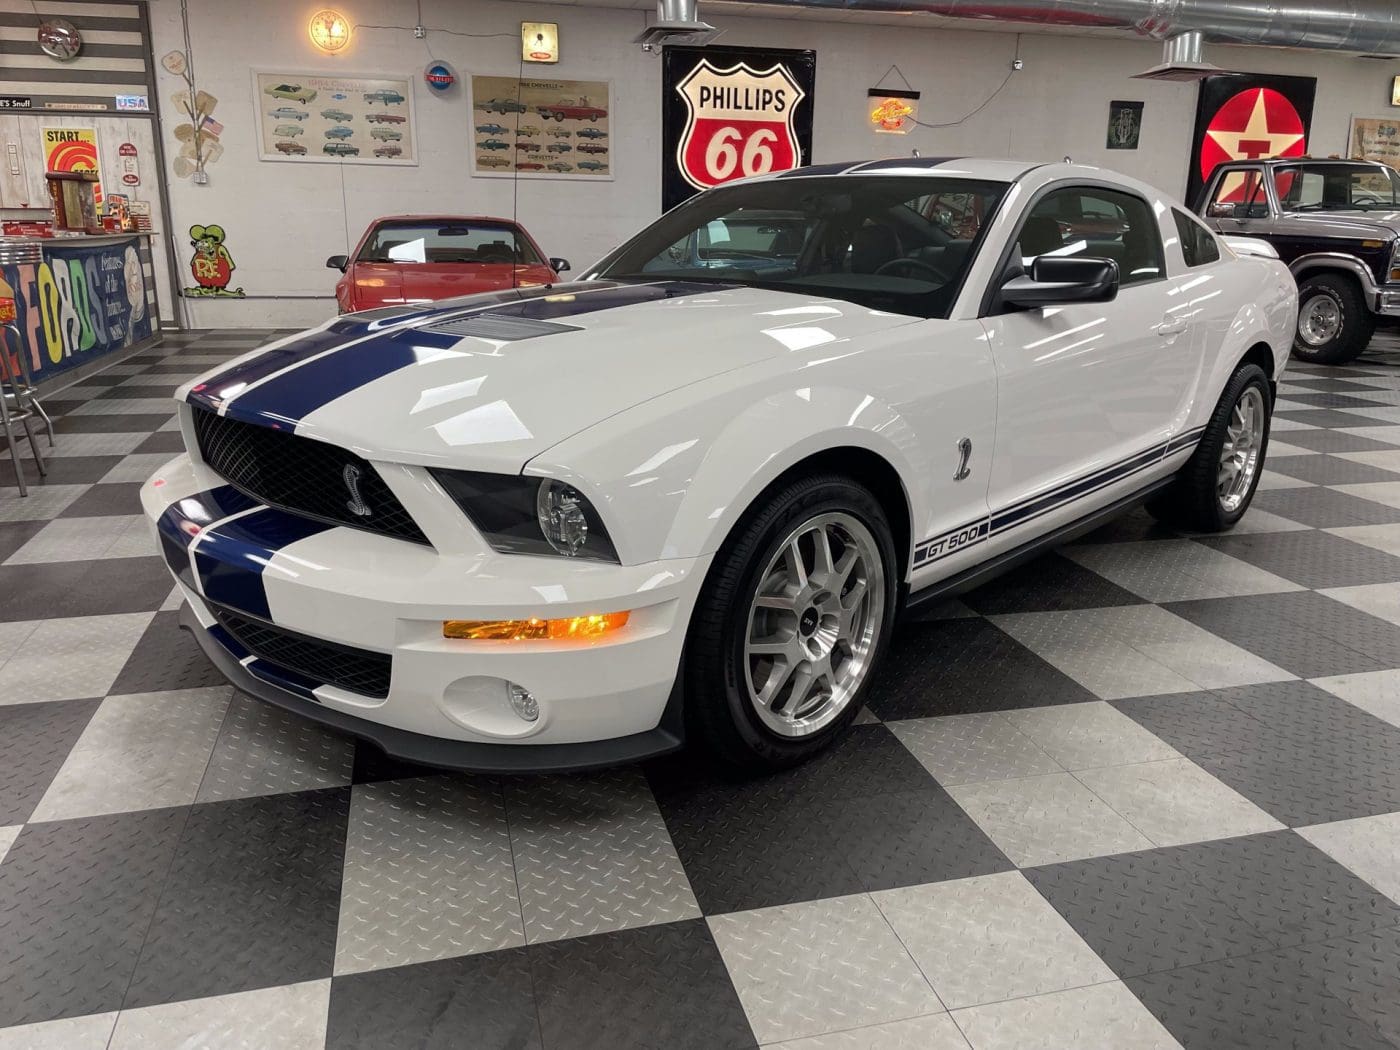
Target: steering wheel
point(918, 264)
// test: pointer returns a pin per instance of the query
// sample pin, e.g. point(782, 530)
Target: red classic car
point(579, 109)
point(421, 258)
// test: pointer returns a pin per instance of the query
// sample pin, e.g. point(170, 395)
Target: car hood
point(1385, 224)
point(491, 381)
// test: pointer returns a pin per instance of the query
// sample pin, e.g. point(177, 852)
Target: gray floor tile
point(1041, 820)
point(428, 874)
point(1368, 846)
point(989, 938)
point(1176, 570)
point(42, 504)
point(1377, 692)
point(136, 406)
point(963, 749)
point(84, 539)
point(1082, 736)
point(809, 969)
point(115, 444)
point(264, 750)
point(1101, 1017)
point(290, 1017)
point(71, 658)
point(90, 1032)
point(137, 467)
point(935, 1032)
point(7, 838)
point(592, 855)
point(140, 751)
point(1378, 599)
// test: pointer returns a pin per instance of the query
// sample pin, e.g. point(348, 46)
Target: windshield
point(1337, 187)
point(896, 243)
point(447, 242)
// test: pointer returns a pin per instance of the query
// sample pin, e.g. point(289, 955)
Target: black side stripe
point(1185, 439)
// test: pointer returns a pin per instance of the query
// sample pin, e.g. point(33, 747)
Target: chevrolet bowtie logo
point(356, 503)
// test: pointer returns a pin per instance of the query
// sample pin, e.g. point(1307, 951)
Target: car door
point(1086, 391)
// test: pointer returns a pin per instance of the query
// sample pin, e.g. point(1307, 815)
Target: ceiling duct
point(677, 22)
point(1368, 26)
point(1183, 59)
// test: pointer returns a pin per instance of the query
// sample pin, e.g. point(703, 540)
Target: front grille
point(302, 476)
point(357, 670)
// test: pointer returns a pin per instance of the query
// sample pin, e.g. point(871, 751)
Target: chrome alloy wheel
point(1239, 458)
point(1320, 320)
point(813, 624)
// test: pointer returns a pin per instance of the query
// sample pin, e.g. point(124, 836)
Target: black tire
point(1192, 502)
point(1358, 324)
point(719, 714)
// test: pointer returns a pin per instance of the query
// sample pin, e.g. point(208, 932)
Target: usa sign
point(729, 113)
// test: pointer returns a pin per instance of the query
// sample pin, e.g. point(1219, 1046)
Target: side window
point(1241, 195)
point(1097, 223)
point(1198, 244)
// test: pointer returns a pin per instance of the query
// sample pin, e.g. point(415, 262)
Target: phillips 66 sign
point(728, 113)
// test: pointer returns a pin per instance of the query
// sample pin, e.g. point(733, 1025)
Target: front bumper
point(1388, 303)
point(601, 701)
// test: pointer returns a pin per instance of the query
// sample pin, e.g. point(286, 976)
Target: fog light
point(526, 706)
point(591, 626)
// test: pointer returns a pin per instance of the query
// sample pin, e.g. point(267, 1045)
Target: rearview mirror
point(560, 265)
point(1055, 280)
point(338, 262)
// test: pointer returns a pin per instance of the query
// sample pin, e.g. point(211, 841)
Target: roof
point(971, 167)
point(1274, 162)
point(444, 218)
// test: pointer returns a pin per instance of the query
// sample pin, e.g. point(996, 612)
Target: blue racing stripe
point(822, 169)
point(182, 521)
point(904, 162)
point(231, 557)
point(563, 304)
point(236, 648)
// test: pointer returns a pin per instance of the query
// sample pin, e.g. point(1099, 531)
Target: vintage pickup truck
point(1336, 223)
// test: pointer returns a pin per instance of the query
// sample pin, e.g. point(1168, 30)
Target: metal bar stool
point(15, 252)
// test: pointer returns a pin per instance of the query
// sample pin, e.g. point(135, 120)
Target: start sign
point(731, 113)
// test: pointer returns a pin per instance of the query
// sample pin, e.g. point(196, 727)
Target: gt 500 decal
point(950, 542)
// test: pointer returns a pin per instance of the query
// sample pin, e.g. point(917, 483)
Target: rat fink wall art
point(211, 265)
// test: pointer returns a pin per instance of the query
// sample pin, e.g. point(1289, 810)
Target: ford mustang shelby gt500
point(565, 526)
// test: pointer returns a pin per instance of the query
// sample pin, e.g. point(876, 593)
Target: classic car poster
point(731, 112)
point(543, 128)
point(310, 117)
point(1124, 124)
point(1376, 138)
point(72, 149)
point(1241, 116)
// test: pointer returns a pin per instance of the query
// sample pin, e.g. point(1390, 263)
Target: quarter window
point(1096, 223)
point(1198, 244)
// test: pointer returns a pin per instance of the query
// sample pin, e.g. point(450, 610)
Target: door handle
point(1171, 326)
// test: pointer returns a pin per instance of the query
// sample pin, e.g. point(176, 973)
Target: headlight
point(520, 515)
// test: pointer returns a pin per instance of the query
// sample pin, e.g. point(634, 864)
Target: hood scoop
point(500, 329)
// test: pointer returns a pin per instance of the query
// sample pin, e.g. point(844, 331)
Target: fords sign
point(729, 113)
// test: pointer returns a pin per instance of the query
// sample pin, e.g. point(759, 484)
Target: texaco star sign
point(1258, 122)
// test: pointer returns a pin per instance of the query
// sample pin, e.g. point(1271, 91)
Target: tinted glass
point(1198, 244)
point(1095, 223)
point(1336, 187)
point(479, 243)
point(1240, 195)
point(897, 243)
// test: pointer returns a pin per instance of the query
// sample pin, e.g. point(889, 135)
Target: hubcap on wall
point(1319, 320)
point(1239, 459)
point(813, 624)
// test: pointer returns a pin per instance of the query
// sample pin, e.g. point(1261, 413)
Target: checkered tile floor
point(1143, 793)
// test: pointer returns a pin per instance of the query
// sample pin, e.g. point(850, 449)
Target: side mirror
point(1220, 210)
point(338, 262)
point(1055, 280)
point(559, 265)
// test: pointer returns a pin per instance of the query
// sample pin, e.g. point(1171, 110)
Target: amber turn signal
point(592, 626)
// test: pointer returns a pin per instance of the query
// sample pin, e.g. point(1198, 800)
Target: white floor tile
point(1369, 846)
point(963, 749)
point(935, 1032)
point(1176, 570)
point(1378, 599)
point(1375, 691)
point(83, 539)
point(90, 1032)
point(72, 658)
point(291, 1017)
point(7, 839)
point(1083, 736)
point(137, 467)
point(1103, 1017)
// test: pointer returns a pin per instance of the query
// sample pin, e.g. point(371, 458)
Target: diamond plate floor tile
point(263, 750)
point(1083, 736)
point(989, 938)
point(935, 1032)
point(428, 874)
point(655, 986)
point(71, 658)
point(1342, 443)
point(251, 899)
point(809, 969)
point(1378, 599)
point(1367, 846)
point(1176, 802)
point(35, 740)
point(7, 839)
point(1380, 537)
point(140, 751)
point(69, 1033)
point(1101, 1017)
point(78, 539)
point(1364, 972)
point(76, 898)
point(473, 1001)
point(1322, 469)
point(962, 666)
point(1314, 559)
point(1176, 570)
point(965, 749)
point(1324, 508)
point(292, 1017)
point(1375, 692)
point(1040, 820)
point(1048, 583)
point(102, 587)
point(135, 467)
point(592, 855)
point(166, 658)
point(41, 504)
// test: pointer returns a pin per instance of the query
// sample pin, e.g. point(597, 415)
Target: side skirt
point(977, 575)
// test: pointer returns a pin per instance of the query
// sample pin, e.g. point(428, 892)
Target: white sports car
point(567, 526)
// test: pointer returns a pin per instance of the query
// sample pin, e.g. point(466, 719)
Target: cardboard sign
point(72, 149)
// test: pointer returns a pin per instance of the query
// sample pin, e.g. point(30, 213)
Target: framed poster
point(1375, 138)
point(541, 128)
point(731, 112)
point(72, 149)
point(1124, 125)
point(1240, 116)
point(315, 118)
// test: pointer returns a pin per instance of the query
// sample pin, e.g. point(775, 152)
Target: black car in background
point(1336, 223)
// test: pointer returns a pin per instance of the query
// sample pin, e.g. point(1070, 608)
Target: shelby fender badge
point(356, 503)
point(739, 123)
